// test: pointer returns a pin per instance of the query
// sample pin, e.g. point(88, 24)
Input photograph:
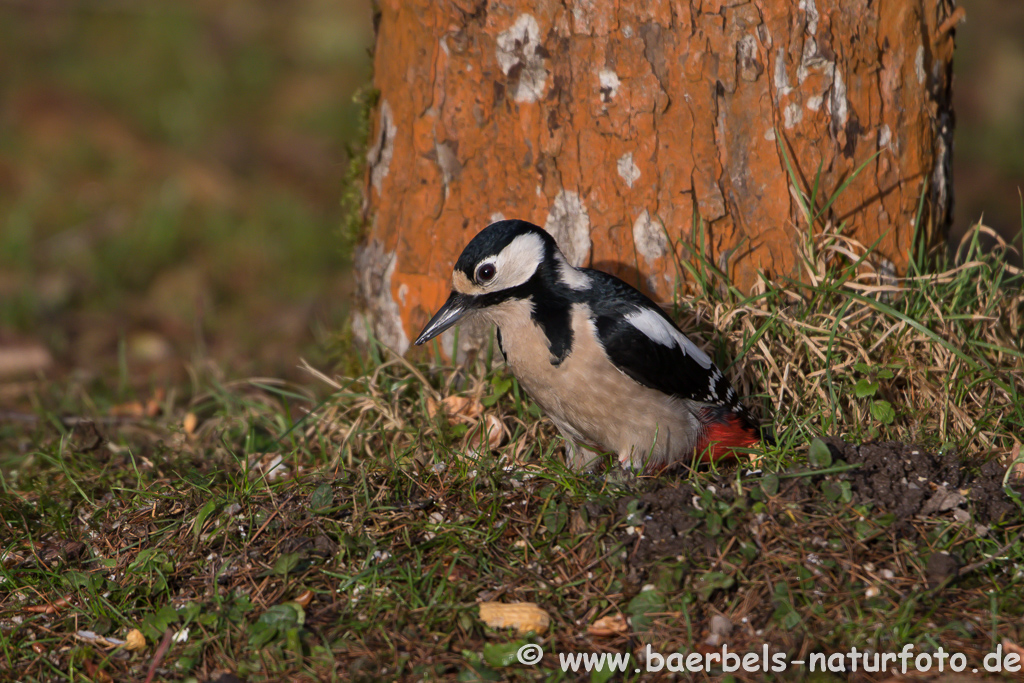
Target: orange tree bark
point(622, 126)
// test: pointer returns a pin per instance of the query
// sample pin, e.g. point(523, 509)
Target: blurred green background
point(988, 163)
point(171, 174)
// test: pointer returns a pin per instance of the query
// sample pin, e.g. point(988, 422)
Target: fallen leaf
point(1015, 461)
point(942, 500)
point(148, 347)
point(432, 406)
point(269, 465)
point(522, 616)
point(521, 448)
point(11, 559)
point(304, 598)
point(608, 626)
point(129, 409)
point(491, 428)
point(96, 673)
point(1010, 646)
point(24, 360)
point(456, 571)
point(462, 408)
point(153, 404)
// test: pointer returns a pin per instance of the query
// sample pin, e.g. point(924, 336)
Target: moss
point(353, 218)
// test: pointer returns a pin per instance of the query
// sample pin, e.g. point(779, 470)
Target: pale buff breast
point(590, 400)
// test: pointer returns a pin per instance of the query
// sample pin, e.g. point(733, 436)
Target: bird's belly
point(589, 399)
point(640, 425)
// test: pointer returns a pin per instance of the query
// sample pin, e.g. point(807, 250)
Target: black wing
point(679, 369)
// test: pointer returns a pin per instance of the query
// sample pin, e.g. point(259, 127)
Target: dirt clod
point(941, 566)
point(907, 481)
point(911, 481)
point(668, 520)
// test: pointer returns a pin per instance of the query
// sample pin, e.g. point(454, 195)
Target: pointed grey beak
point(457, 306)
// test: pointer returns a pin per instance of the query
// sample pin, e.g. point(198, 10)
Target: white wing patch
point(659, 330)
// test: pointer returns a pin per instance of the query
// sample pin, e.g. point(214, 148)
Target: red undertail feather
point(724, 432)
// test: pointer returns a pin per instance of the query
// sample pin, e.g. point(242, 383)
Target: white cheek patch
point(516, 263)
point(659, 330)
point(569, 276)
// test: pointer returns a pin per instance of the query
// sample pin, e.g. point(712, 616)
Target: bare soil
point(905, 480)
point(910, 481)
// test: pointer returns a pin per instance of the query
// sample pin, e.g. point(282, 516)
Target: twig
point(158, 656)
point(993, 557)
point(71, 420)
point(825, 470)
point(269, 520)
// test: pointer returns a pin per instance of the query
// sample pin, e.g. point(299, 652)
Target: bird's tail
point(725, 430)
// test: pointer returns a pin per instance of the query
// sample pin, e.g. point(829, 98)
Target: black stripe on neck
point(549, 308)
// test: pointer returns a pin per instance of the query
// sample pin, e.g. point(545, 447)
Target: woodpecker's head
point(506, 260)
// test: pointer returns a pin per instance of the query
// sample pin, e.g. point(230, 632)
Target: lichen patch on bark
point(569, 223)
point(609, 81)
point(383, 149)
point(520, 55)
point(375, 267)
point(627, 170)
point(649, 238)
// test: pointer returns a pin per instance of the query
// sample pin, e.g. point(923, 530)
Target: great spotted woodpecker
point(607, 365)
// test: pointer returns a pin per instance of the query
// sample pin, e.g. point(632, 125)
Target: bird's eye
point(485, 273)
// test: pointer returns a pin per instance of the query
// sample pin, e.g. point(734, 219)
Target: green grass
point(176, 168)
point(368, 557)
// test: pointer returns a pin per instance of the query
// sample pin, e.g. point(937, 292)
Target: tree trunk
point(624, 128)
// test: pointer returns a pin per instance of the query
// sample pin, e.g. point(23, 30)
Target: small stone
point(721, 625)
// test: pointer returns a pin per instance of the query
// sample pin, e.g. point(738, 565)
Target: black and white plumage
point(606, 364)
